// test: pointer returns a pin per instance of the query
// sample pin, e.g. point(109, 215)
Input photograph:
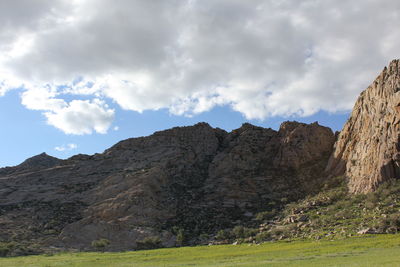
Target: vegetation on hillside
point(332, 213)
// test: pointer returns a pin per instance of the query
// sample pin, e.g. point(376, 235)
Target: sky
point(77, 76)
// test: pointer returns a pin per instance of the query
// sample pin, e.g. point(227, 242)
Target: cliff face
point(368, 148)
point(196, 178)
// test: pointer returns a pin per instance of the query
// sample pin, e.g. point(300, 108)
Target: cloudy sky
point(77, 76)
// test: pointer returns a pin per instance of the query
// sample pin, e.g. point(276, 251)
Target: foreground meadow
point(378, 250)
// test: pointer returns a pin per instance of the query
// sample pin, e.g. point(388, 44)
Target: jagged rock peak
point(41, 160)
point(245, 127)
point(368, 147)
point(288, 126)
point(199, 136)
point(199, 125)
point(302, 143)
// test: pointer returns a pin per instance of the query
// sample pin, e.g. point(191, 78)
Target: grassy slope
point(331, 214)
point(336, 214)
point(379, 250)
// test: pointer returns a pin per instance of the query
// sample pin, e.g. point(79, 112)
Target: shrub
point(337, 196)
point(100, 244)
point(391, 224)
point(5, 249)
point(346, 213)
point(238, 232)
point(15, 249)
point(264, 236)
point(277, 231)
point(371, 200)
point(204, 238)
point(151, 242)
point(180, 237)
point(283, 231)
point(243, 232)
point(223, 235)
point(266, 215)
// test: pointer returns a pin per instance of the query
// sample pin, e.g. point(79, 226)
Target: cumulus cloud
point(67, 147)
point(261, 58)
point(3, 91)
point(42, 99)
point(75, 117)
point(82, 117)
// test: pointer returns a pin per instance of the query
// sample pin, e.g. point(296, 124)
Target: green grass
point(377, 250)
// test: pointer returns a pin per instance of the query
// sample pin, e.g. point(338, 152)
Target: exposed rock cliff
point(196, 178)
point(368, 148)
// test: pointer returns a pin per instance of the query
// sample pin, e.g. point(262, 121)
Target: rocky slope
point(197, 179)
point(186, 184)
point(368, 148)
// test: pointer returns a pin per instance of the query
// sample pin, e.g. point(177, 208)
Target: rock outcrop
point(196, 178)
point(41, 161)
point(368, 147)
point(258, 166)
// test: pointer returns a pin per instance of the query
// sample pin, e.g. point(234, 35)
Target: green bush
point(266, 215)
point(17, 249)
point(151, 242)
point(204, 238)
point(238, 232)
point(243, 232)
point(100, 244)
point(264, 236)
point(180, 237)
point(5, 249)
point(371, 200)
point(390, 224)
point(223, 235)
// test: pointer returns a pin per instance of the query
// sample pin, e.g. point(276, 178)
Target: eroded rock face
point(197, 178)
point(302, 144)
point(368, 147)
point(259, 165)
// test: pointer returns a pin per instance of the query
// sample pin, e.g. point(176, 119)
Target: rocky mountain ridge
point(196, 178)
point(185, 184)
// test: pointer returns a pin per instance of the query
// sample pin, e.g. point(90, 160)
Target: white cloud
point(67, 147)
point(42, 99)
point(82, 117)
point(72, 146)
point(3, 91)
point(76, 117)
point(262, 58)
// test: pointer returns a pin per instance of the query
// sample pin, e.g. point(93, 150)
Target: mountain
point(196, 178)
point(188, 185)
point(368, 148)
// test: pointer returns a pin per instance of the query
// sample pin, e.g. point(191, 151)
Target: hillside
point(196, 179)
point(196, 185)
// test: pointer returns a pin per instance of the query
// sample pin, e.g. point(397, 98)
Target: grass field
point(378, 250)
